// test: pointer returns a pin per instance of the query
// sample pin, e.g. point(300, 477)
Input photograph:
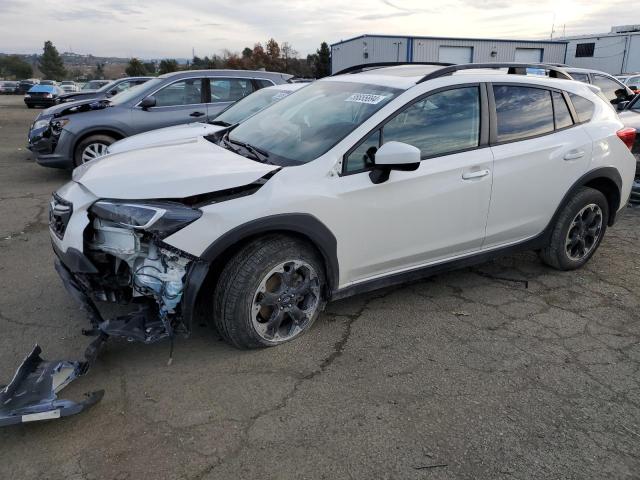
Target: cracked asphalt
point(470, 374)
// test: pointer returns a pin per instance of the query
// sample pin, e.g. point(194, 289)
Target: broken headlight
point(160, 218)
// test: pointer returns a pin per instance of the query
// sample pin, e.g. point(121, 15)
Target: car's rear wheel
point(578, 230)
point(269, 293)
point(92, 147)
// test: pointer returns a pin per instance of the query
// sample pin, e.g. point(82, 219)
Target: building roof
point(499, 40)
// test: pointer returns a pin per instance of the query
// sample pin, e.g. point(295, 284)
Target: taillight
point(628, 136)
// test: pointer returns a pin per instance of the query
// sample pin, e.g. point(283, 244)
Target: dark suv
point(70, 134)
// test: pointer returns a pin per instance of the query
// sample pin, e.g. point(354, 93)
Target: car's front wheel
point(578, 230)
point(270, 292)
point(92, 147)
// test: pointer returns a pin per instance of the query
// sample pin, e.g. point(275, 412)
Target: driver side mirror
point(113, 92)
point(394, 156)
point(148, 102)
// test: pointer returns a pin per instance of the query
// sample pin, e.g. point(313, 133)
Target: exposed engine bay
point(134, 266)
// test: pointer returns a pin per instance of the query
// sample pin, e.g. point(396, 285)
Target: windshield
point(252, 104)
point(307, 123)
point(133, 92)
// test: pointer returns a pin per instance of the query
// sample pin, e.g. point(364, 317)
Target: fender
point(300, 223)
point(610, 173)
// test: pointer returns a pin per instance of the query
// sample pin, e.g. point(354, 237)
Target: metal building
point(386, 48)
point(615, 52)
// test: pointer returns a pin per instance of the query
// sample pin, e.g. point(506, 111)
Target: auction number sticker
point(280, 95)
point(369, 98)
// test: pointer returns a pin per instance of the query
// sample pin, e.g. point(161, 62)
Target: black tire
point(556, 254)
point(236, 293)
point(101, 139)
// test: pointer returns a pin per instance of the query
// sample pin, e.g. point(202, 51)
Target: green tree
point(99, 75)
point(168, 65)
point(150, 67)
point(50, 63)
point(14, 66)
point(246, 53)
point(135, 68)
point(322, 61)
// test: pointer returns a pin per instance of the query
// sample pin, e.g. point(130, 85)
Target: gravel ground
point(470, 374)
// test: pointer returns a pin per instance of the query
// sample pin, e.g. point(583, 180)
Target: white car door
point(536, 160)
point(436, 212)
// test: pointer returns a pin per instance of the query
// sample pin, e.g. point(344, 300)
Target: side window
point(364, 155)
point(442, 123)
point(580, 77)
point(608, 87)
point(183, 92)
point(561, 111)
point(123, 86)
point(584, 108)
point(229, 89)
point(522, 112)
point(264, 83)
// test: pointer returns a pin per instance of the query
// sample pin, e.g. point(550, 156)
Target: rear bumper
point(41, 102)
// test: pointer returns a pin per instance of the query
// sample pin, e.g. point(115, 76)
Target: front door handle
point(197, 114)
point(475, 174)
point(574, 155)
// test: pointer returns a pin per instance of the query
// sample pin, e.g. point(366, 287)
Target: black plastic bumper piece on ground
point(32, 393)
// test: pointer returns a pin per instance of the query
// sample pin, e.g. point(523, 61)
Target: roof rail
point(364, 66)
point(514, 69)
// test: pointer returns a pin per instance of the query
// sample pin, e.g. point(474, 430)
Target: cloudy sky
point(171, 28)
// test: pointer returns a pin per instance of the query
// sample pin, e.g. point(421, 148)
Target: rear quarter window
point(522, 112)
point(584, 108)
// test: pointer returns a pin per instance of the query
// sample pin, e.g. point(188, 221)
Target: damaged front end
point(133, 265)
point(124, 261)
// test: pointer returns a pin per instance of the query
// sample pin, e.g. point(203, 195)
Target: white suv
point(355, 182)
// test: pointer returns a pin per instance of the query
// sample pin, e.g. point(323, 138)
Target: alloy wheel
point(584, 232)
point(286, 301)
point(93, 151)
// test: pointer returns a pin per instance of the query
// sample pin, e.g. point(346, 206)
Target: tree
point(258, 57)
point(51, 64)
point(99, 75)
point(246, 53)
point(135, 68)
point(322, 61)
point(168, 65)
point(273, 55)
point(150, 67)
point(14, 66)
point(288, 53)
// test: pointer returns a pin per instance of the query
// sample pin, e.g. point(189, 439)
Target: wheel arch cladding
point(608, 181)
point(300, 225)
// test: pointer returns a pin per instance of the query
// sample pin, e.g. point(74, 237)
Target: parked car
point(69, 134)
point(352, 183)
point(42, 95)
point(69, 86)
point(631, 118)
point(48, 82)
point(232, 115)
point(25, 85)
point(106, 91)
point(95, 84)
point(8, 88)
point(612, 88)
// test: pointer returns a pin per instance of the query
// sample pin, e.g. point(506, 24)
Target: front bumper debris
point(32, 393)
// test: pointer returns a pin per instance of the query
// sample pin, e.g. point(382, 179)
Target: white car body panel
point(182, 169)
point(164, 136)
point(415, 219)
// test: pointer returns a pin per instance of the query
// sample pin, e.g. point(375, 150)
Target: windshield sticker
point(280, 95)
point(369, 98)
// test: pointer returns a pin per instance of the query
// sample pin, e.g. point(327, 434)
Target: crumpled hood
point(164, 136)
point(78, 106)
point(182, 169)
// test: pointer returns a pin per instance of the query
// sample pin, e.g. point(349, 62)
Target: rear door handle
point(574, 155)
point(475, 174)
point(196, 114)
